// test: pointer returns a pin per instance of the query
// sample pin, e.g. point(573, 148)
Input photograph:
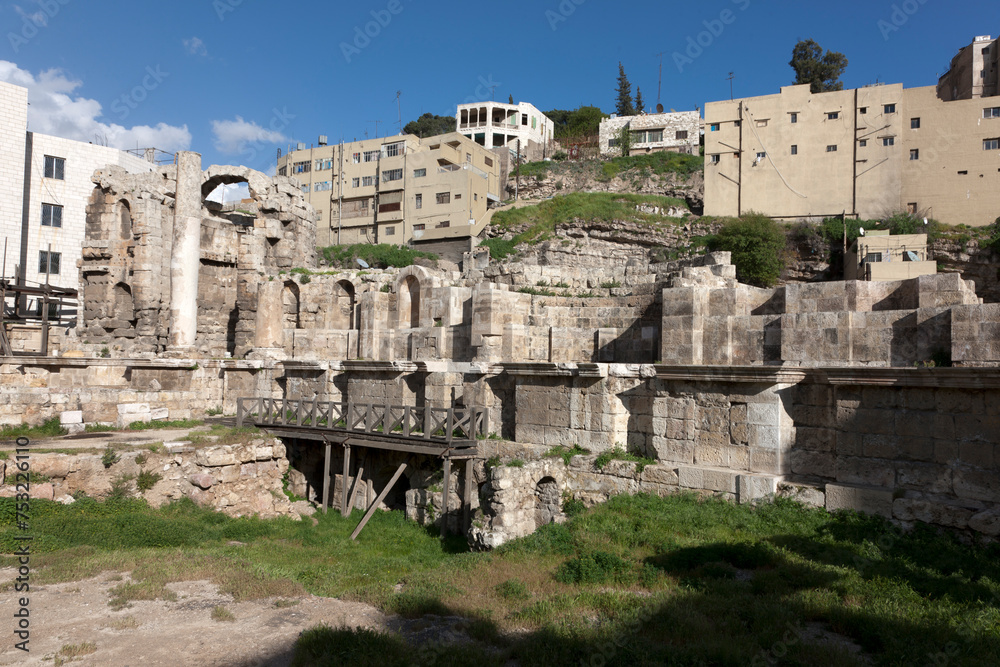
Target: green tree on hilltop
point(821, 71)
point(624, 106)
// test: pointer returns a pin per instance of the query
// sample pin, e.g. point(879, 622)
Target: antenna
point(731, 77)
point(399, 110)
point(659, 87)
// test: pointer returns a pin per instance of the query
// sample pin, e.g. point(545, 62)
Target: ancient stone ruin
point(823, 391)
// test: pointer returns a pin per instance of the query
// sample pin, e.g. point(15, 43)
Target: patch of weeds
point(177, 423)
point(292, 498)
point(105, 353)
point(99, 428)
point(141, 458)
point(146, 480)
point(513, 589)
point(214, 412)
point(610, 284)
point(385, 288)
point(283, 603)
point(220, 613)
point(562, 284)
point(571, 506)
point(536, 292)
point(49, 429)
point(566, 453)
point(110, 456)
point(33, 477)
point(516, 463)
point(121, 486)
point(493, 462)
point(71, 652)
point(596, 567)
point(154, 447)
point(619, 454)
point(123, 623)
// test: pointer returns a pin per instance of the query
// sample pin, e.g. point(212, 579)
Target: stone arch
point(124, 221)
point(408, 303)
point(124, 304)
point(217, 175)
point(546, 501)
point(345, 306)
point(290, 306)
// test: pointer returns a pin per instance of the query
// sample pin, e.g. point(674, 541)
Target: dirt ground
point(175, 633)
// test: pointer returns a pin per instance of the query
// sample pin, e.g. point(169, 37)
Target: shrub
point(559, 156)
point(110, 456)
point(499, 248)
point(756, 243)
point(146, 480)
point(381, 256)
point(596, 567)
point(121, 487)
point(141, 458)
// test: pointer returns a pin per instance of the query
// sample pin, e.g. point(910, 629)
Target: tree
point(624, 106)
point(584, 122)
point(757, 244)
point(430, 125)
point(639, 106)
point(821, 71)
point(510, 99)
point(624, 137)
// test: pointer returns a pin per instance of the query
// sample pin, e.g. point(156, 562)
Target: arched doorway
point(408, 304)
point(124, 304)
point(546, 501)
point(345, 314)
point(290, 306)
point(124, 221)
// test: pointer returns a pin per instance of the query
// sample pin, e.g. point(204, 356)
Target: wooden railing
point(428, 423)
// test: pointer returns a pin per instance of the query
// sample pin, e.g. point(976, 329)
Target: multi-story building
point(398, 189)
point(679, 132)
point(974, 71)
point(495, 125)
point(45, 186)
point(877, 255)
point(865, 153)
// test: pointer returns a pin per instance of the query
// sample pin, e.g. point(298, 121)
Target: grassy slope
point(640, 580)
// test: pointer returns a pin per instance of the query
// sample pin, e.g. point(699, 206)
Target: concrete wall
point(13, 132)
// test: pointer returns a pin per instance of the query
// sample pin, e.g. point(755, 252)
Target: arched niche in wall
point(345, 306)
point(124, 305)
point(290, 306)
point(546, 501)
point(408, 303)
point(125, 232)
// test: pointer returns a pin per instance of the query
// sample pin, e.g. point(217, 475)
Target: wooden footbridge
point(448, 433)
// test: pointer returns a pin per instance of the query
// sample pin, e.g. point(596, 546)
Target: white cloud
point(234, 136)
point(195, 47)
point(53, 110)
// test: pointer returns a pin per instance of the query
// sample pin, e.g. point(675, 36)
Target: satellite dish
point(659, 108)
point(362, 263)
point(862, 231)
point(925, 221)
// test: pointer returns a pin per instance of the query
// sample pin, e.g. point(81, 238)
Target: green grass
point(50, 429)
point(541, 219)
point(566, 453)
point(640, 580)
point(381, 256)
point(177, 423)
point(100, 428)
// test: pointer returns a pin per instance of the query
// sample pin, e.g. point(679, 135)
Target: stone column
point(185, 258)
point(269, 323)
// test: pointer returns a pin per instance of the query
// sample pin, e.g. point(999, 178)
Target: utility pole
point(399, 110)
point(659, 88)
point(731, 77)
point(517, 167)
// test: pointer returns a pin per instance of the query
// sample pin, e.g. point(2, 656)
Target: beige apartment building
point(397, 190)
point(867, 152)
point(974, 71)
point(879, 256)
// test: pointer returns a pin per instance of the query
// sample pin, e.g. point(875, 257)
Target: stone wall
point(240, 480)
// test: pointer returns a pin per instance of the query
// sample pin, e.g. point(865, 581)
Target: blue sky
point(237, 79)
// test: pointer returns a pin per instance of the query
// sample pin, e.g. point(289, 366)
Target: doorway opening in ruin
point(396, 499)
point(546, 501)
point(345, 309)
point(290, 306)
point(124, 221)
point(124, 304)
point(409, 303)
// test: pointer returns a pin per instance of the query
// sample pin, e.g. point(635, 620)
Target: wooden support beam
point(344, 480)
point(326, 475)
point(358, 481)
point(467, 495)
point(381, 497)
point(444, 498)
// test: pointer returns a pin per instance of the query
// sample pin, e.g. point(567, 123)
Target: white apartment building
point(679, 132)
point(494, 125)
point(45, 186)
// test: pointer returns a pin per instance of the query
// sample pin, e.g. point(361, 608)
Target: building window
point(762, 123)
point(736, 123)
point(795, 149)
point(419, 202)
point(991, 112)
point(55, 167)
point(323, 164)
point(715, 127)
point(446, 223)
point(888, 141)
point(524, 119)
point(305, 188)
point(991, 144)
point(390, 231)
point(51, 215)
point(282, 171)
point(914, 153)
point(488, 161)
point(392, 150)
point(444, 197)
point(794, 117)
point(48, 262)
point(356, 158)
point(863, 143)
point(761, 155)
point(300, 168)
point(832, 148)
point(612, 143)
point(355, 182)
point(889, 108)
point(475, 196)
point(419, 173)
point(914, 123)
point(322, 186)
point(392, 175)
point(367, 181)
point(458, 196)
point(371, 156)
point(418, 228)
point(714, 159)
point(863, 110)
point(833, 115)
point(681, 134)
point(964, 172)
point(468, 157)
point(911, 208)
point(656, 136)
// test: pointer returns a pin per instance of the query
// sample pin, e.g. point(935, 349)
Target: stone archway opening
point(546, 501)
point(408, 303)
point(124, 303)
point(290, 306)
point(124, 221)
point(345, 306)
